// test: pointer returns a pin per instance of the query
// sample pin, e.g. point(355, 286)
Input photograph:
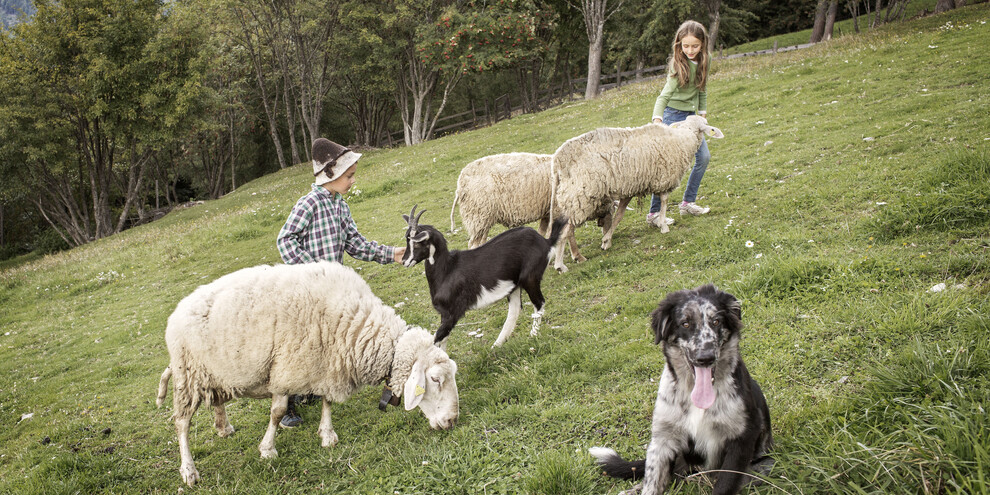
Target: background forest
point(114, 112)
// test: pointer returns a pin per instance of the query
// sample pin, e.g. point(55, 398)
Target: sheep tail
point(452, 226)
point(555, 230)
point(615, 466)
point(163, 386)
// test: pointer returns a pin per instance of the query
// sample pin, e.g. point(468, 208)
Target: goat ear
point(421, 236)
point(415, 387)
point(714, 132)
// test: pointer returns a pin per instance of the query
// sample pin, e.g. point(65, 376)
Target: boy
point(320, 226)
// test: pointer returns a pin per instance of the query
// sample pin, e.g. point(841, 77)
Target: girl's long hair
point(678, 62)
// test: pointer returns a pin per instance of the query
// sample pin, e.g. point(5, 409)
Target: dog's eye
point(716, 322)
point(685, 324)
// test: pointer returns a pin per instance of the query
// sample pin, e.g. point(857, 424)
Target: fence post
point(774, 47)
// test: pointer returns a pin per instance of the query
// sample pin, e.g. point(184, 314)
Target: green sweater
point(686, 98)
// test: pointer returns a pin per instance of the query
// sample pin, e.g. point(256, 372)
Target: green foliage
point(481, 37)
point(876, 382)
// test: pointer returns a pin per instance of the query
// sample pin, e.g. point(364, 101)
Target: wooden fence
point(488, 112)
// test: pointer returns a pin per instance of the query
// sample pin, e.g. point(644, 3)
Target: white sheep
point(275, 331)
point(510, 189)
point(622, 163)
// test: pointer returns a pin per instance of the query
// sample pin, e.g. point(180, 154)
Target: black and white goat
point(463, 280)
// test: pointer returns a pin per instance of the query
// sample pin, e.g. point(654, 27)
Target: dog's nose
point(706, 356)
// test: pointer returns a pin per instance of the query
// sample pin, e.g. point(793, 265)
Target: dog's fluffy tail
point(615, 466)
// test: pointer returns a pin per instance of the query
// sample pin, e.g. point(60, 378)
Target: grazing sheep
point(275, 331)
point(511, 189)
point(623, 163)
point(463, 280)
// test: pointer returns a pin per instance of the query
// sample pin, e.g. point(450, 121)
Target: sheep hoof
point(664, 229)
point(189, 474)
point(606, 244)
point(580, 259)
point(561, 269)
point(269, 453)
point(226, 432)
point(329, 440)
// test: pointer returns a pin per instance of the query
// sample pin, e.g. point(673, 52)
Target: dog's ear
point(663, 317)
point(733, 308)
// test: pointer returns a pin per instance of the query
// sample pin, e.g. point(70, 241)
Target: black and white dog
point(710, 414)
point(463, 280)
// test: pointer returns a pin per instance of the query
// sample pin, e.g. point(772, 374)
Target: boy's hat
point(331, 160)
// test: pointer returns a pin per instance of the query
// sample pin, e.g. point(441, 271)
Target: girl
point(683, 95)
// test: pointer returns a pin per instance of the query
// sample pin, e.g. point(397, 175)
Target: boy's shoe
point(654, 219)
point(291, 419)
point(693, 209)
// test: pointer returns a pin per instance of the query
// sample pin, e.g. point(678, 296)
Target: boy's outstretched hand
point(399, 253)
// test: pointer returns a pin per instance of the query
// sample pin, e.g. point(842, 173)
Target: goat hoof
point(561, 269)
point(606, 244)
point(226, 432)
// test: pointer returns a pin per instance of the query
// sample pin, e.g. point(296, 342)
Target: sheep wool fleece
point(284, 329)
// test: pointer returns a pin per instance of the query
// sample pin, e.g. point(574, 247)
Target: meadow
point(853, 183)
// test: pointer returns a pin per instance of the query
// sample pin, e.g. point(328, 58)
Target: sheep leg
point(220, 422)
point(478, 238)
point(620, 212)
point(328, 437)
point(515, 305)
point(559, 262)
point(280, 403)
point(544, 227)
point(187, 468)
point(663, 213)
point(575, 253)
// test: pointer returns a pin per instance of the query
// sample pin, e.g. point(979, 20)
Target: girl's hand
point(658, 121)
point(705, 115)
point(399, 253)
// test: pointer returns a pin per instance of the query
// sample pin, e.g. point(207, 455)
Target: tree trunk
point(714, 8)
point(833, 10)
point(853, 7)
point(818, 31)
point(595, 13)
point(944, 6)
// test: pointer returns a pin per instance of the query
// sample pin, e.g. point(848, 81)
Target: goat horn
point(411, 219)
point(420, 214)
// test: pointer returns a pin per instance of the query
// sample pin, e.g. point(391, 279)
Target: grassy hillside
point(852, 179)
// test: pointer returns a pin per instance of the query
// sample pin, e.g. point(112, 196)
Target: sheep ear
point(415, 386)
point(714, 132)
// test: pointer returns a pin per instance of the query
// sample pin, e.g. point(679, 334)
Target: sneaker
point(693, 209)
point(291, 419)
point(653, 218)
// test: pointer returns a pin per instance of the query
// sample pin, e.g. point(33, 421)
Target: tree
point(825, 13)
point(90, 90)
point(946, 5)
point(595, 13)
point(713, 8)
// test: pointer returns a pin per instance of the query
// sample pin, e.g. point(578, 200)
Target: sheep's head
point(419, 246)
point(432, 386)
point(698, 123)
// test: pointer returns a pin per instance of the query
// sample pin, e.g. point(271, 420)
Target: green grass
point(856, 169)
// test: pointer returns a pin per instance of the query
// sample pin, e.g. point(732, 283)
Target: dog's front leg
point(733, 473)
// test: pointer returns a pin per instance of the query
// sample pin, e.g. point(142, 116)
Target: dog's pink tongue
point(703, 396)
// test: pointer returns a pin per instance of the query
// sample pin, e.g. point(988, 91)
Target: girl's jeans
point(701, 159)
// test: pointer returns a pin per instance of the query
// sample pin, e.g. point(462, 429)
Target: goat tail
point(453, 227)
point(555, 230)
point(163, 386)
point(614, 465)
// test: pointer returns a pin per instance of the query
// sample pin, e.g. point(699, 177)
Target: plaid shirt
point(320, 227)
